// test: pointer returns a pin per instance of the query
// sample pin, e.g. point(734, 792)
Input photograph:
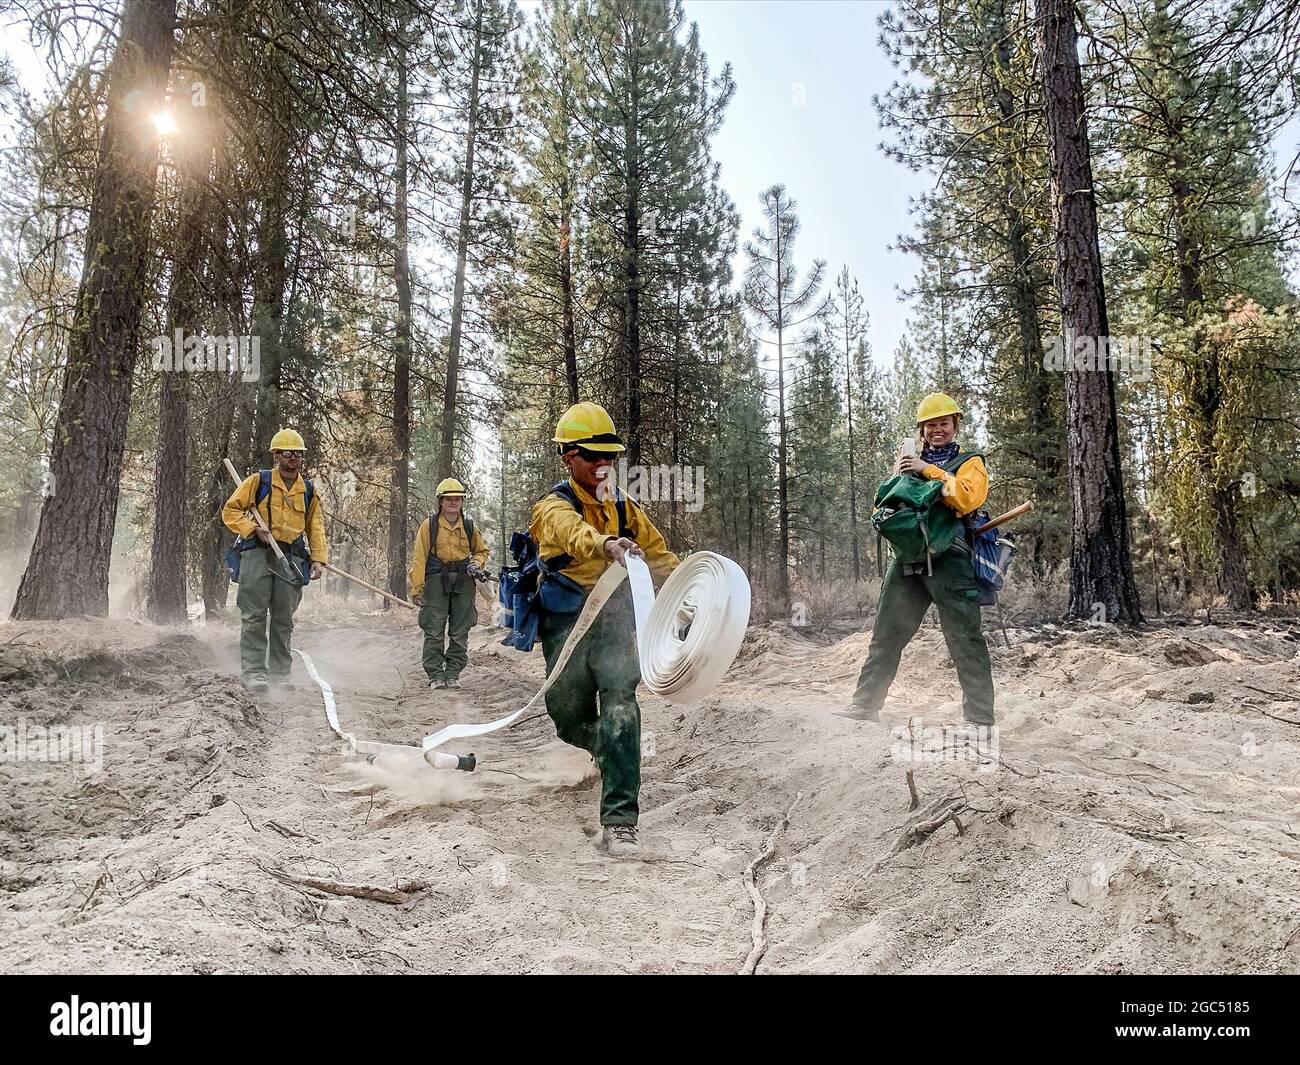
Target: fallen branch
point(1264, 691)
point(760, 905)
point(246, 817)
point(285, 830)
point(392, 896)
point(1275, 717)
point(100, 881)
point(911, 787)
point(923, 826)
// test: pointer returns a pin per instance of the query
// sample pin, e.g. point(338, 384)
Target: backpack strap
point(955, 464)
point(466, 520)
point(565, 491)
point(264, 490)
point(558, 562)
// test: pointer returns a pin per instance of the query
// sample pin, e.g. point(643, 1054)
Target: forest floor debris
point(1129, 824)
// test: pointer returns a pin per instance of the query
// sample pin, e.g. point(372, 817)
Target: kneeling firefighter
point(580, 528)
point(945, 577)
point(267, 596)
point(447, 560)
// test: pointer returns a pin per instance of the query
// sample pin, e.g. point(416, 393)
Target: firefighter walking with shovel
point(274, 558)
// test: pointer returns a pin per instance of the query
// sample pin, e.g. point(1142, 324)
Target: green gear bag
point(910, 513)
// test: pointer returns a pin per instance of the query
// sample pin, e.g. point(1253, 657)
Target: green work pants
point(446, 618)
point(266, 601)
point(903, 603)
point(593, 703)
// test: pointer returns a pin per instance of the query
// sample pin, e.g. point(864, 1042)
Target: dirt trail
point(1146, 816)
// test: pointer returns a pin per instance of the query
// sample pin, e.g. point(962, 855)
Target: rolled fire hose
point(680, 662)
point(687, 639)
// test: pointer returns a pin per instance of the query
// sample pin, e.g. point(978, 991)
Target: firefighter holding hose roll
point(581, 527)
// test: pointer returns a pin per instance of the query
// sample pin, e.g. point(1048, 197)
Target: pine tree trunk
point(568, 318)
point(749, 524)
point(398, 500)
point(447, 452)
point(166, 580)
point(676, 456)
point(216, 582)
point(270, 280)
point(632, 265)
point(230, 406)
point(505, 496)
point(853, 479)
point(567, 298)
point(782, 494)
point(67, 572)
point(1101, 570)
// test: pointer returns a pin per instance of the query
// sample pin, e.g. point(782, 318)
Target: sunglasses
point(593, 456)
point(292, 454)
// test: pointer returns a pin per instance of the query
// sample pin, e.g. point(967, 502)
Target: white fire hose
point(687, 639)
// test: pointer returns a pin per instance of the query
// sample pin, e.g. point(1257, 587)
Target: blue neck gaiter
point(940, 455)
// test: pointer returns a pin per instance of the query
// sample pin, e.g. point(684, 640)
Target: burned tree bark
point(1101, 570)
point(67, 572)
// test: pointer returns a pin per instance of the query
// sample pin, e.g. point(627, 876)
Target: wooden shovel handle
point(255, 514)
point(993, 523)
point(370, 587)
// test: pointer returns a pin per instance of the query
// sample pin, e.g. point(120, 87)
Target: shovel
point(288, 571)
point(1001, 519)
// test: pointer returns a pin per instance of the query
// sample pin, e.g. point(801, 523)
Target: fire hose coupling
point(439, 760)
point(685, 615)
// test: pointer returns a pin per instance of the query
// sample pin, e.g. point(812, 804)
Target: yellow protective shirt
point(967, 489)
point(450, 545)
point(283, 510)
point(561, 530)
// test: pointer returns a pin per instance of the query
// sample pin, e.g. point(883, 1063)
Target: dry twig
point(760, 905)
point(392, 896)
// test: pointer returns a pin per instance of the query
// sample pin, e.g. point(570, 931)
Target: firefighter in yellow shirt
point(288, 504)
point(908, 589)
point(449, 556)
point(581, 527)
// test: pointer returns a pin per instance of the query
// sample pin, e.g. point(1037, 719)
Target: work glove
point(474, 571)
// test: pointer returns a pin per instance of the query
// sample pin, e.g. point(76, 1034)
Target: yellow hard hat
point(449, 486)
point(936, 405)
point(288, 440)
point(588, 425)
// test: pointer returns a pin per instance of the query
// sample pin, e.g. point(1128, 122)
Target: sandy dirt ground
point(1143, 813)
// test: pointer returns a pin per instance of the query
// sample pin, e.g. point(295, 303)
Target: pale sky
point(805, 72)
